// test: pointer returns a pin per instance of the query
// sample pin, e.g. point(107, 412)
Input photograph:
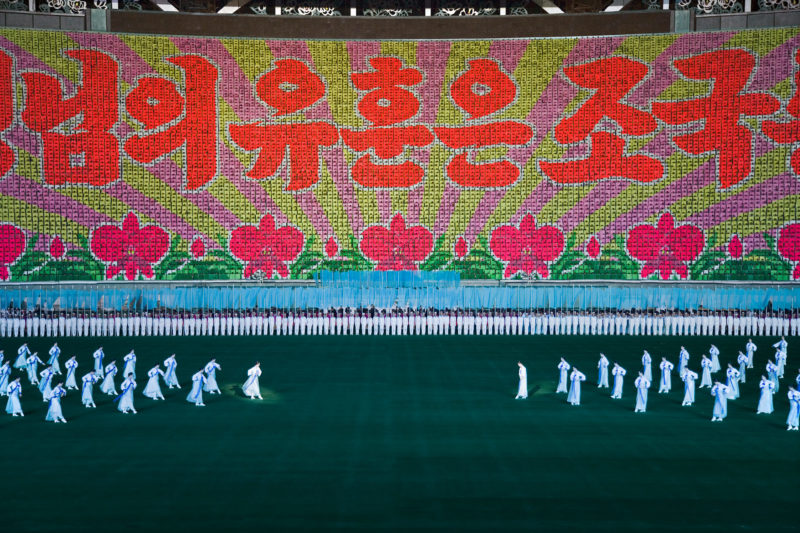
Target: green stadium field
point(400, 433)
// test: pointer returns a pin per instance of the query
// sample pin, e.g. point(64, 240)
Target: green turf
point(398, 433)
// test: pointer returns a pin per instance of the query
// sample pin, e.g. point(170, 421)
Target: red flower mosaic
point(266, 248)
point(527, 249)
point(397, 247)
point(789, 246)
point(664, 247)
point(131, 248)
point(12, 244)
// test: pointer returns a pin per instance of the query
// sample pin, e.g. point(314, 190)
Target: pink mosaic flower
point(331, 248)
point(57, 249)
point(593, 248)
point(266, 248)
point(12, 244)
point(789, 246)
point(664, 247)
point(461, 248)
point(735, 248)
point(130, 248)
point(198, 248)
point(527, 249)
point(397, 247)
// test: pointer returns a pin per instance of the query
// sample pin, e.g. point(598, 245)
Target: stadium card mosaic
point(632, 157)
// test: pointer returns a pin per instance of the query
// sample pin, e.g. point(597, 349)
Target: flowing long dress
point(98, 362)
point(54, 352)
point(641, 384)
point(251, 387)
point(70, 382)
point(689, 379)
point(5, 372)
point(22, 357)
point(130, 365)
point(54, 413)
point(750, 349)
point(714, 352)
point(170, 378)
point(87, 384)
point(793, 420)
point(765, 401)
point(45, 384)
point(126, 397)
point(522, 390)
point(33, 368)
point(666, 376)
point(706, 381)
point(13, 406)
point(575, 378)
point(733, 383)
point(153, 388)
point(772, 374)
point(195, 396)
point(683, 361)
point(602, 372)
point(619, 375)
point(107, 386)
point(211, 385)
point(720, 393)
point(563, 367)
point(742, 360)
point(647, 364)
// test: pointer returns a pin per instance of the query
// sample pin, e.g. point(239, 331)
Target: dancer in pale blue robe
point(733, 382)
point(689, 379)
point(153, 388)
point(714, 353)
point(683, 360)
point(765, 401)
point(641, 384)
point(742, 360)
point(781, 345)
point(54, 413)
point(211, 386)
point(87, 384)
point(720, 393)
point(793, 420)
point(647, 366)
point(45, 384)
point(2, 356)
point(125, 398)
point(107, 386)
point(750, 350)
point(55, 352)
point(797, 379)
point(619, 375)
point(195, 396)
point(705, 363)
point(98, 356)
point(665, 385)
point(33, 363)
point(772, 373)
point(780, 362)
point(170, 378)
point(130, 364)
point(251, 387)
point(22, 357)
point(563, 367)
point(13, 406)
point(575, 378)
point(71, 366)
point(602, 372)
point(5, 373)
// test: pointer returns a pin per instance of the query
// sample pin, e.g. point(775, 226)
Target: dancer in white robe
point(54, 413)
point(5, 375)
point(13, 406)
point(22, 357)
point(765, 401)
point(714, 353)
point(563, 368)
point(153, 389)
point(772, 374)
point(793, 420)
point(33, 363)
point(733, 382)
point(721, 393)
point(602, 372)
point(45, 383)
point(619, 375)
point(210, 369)
point(742, 360)
point(125, 398)
point(750, 350)
point(98, 362)
point(87, 384)
point(55, 352)
point(195, 396)
point(647, 366)
point(641, 384)
point(705, 364)
point(170, 377)
point(575, 378)
point(522, 390)
point(130, 364)
point(689, 379)
point(71, 365)
point(683, 360)
point(251, 387)
point(107, 386)
point(665, 385)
